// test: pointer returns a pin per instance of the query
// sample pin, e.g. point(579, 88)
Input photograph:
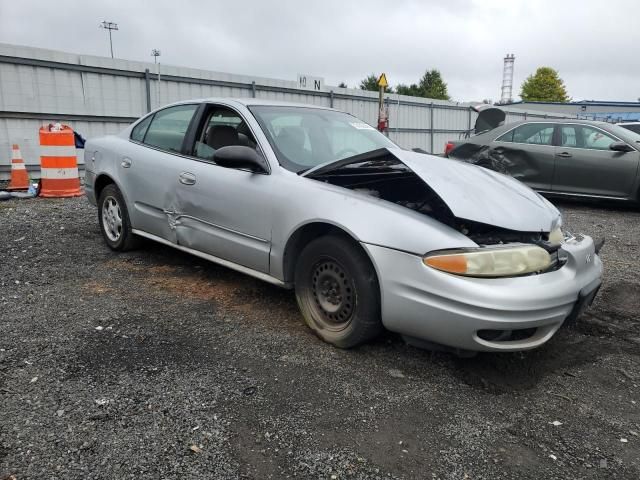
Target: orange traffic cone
point(19, 175)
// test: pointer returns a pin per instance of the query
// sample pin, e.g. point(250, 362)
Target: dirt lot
point(154, 364)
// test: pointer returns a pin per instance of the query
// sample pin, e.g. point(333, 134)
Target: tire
point(114, 222)
point(338, 292)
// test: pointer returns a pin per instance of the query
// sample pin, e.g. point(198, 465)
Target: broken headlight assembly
point(556, 236)
point(491, 262)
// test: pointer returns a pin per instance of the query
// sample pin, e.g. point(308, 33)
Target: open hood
point(470, 192)
point(489, 117)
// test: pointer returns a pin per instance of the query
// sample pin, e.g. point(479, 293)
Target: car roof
point(249, 101)
point(557, 120)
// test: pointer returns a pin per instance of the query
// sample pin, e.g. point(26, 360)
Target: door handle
point(187, 178)
point(564, 155)
point(126, 162)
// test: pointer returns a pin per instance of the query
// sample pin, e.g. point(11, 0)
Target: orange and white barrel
point(58, 162)
point(19, 175)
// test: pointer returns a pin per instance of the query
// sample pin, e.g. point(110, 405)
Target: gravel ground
point(155, 364)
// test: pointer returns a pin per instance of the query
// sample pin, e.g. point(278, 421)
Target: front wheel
point(113, 218)
point(338, 292)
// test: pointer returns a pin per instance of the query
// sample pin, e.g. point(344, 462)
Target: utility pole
point(109, 26)
point(156, 53)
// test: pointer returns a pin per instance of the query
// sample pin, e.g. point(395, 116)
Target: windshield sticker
point(361, 126)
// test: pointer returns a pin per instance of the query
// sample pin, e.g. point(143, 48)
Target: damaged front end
point(504, 218)
point(509, 288)
point(481, 204)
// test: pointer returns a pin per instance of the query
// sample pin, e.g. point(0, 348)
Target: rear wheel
point(113, 218)
point(338, 292)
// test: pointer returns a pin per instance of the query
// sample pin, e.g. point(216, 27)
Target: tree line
point(545, 85)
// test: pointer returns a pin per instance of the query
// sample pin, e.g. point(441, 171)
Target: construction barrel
point(58, 162)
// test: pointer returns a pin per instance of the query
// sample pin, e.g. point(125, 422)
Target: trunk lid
point(489, 117)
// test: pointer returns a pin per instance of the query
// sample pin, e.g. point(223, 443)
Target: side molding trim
point(220, 261)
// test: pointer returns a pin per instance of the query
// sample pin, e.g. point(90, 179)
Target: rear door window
point(570, 134)
point(169, 127)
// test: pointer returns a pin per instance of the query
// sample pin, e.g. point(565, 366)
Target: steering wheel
point(342, 153)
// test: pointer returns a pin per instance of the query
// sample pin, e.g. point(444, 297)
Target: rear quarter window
point(140, 129)
point(506, 137)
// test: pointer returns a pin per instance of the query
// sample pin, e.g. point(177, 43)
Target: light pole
point(109, 26)
point(156, 53)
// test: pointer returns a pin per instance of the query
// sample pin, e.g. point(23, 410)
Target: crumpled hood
point(481, 195)
point(471, 192)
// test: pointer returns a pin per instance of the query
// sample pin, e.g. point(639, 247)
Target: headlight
point(556, 236)
point(507, 261)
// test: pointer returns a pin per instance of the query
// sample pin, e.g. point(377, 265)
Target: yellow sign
point(382, 81)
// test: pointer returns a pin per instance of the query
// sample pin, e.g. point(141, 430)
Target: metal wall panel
point(102, 95)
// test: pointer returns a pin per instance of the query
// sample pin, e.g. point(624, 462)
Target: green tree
point(544, 86)
point(431, 85)
point(342, 85)
point(412, 90)
point(370, 82)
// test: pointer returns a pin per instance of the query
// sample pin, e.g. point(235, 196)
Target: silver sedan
point(369, 235)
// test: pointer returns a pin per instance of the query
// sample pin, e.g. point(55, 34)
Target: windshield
point(303, 138)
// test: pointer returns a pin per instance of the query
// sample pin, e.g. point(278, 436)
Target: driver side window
point(224, 127)
point(595, 139)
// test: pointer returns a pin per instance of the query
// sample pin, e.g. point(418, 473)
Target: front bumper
point(423, 303)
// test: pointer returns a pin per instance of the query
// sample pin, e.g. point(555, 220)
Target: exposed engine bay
point(389, 179)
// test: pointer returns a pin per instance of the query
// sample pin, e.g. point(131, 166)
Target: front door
point(222, 211)
point(586, 165)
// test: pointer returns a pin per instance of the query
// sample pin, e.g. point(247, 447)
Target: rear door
point(150, 165)
point(528, 154)
point(585, 165)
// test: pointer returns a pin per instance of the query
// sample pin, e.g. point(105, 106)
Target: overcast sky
point(593, 45)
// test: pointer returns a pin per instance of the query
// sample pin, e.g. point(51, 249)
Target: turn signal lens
point(491, 262)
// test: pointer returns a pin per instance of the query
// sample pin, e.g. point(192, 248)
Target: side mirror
point(239, 156)
point(620, 147)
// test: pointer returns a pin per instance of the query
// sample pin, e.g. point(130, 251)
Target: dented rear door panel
point(531, 164)
point(149, 177)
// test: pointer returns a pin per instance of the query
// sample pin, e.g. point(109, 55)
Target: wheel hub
point(332, 292)
point(112, 218)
